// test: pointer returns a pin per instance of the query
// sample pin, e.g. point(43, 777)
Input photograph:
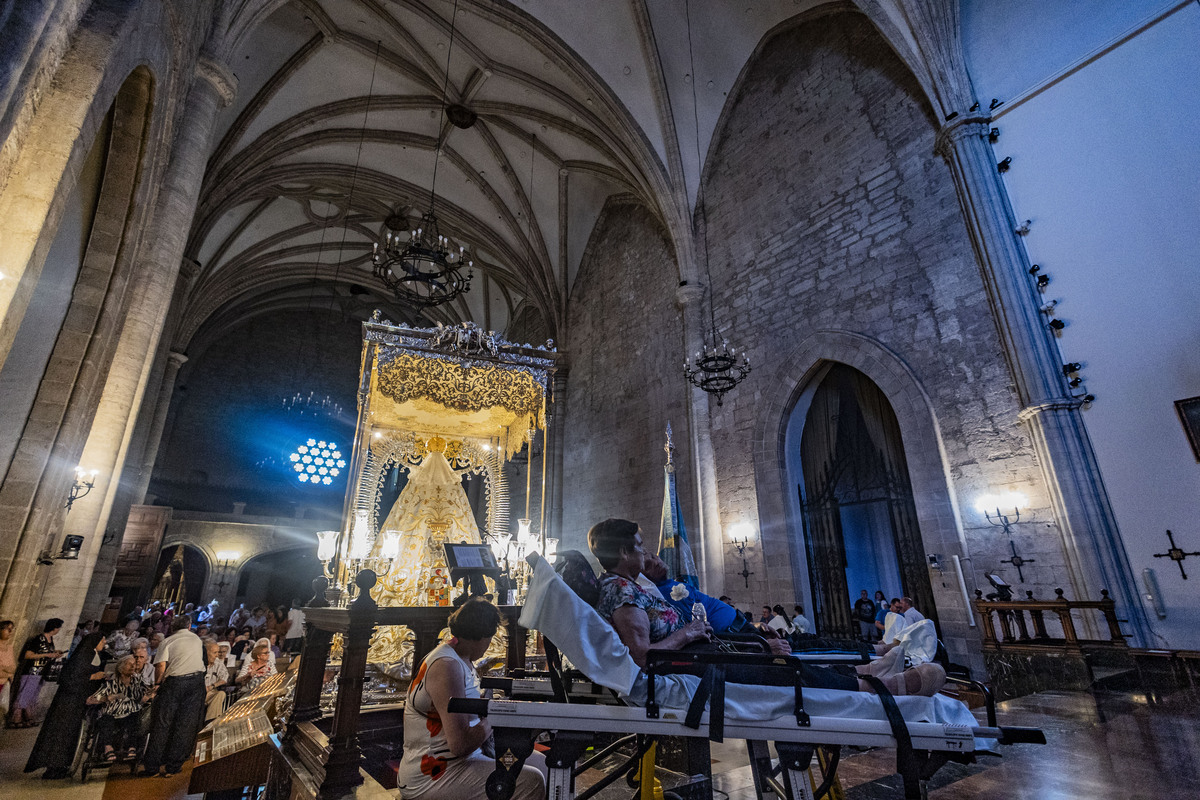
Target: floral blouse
point(617, 591)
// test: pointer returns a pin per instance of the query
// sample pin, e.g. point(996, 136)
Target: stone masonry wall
point(828, 210)
point(625, 380)
point(230, 436)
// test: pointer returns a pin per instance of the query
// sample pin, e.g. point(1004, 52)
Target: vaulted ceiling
point(338, 117)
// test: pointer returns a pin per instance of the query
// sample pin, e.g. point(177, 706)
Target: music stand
point(471, 562)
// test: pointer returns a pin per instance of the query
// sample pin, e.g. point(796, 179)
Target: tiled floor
point(1115, 747)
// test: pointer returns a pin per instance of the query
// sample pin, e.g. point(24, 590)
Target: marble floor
point(1104, 747)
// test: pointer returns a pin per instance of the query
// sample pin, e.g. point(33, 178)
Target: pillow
point(576, 571)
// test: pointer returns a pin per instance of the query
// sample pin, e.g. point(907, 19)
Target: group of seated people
point(121, 674)
point(450, 755)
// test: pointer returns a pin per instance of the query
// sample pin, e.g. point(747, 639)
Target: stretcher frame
point(922, 747)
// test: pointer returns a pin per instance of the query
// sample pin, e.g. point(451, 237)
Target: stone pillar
point(557, 436)
point(154, 436)
point(710, 538)
point(1091, 541)
point(164, 243)
point(132, 486)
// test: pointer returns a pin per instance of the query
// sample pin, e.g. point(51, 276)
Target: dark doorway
point(180, 576)
point(860, 524)
point(274, 579)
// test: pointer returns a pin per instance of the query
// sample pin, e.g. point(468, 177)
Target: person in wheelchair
point(644, 623)
point(121, 698)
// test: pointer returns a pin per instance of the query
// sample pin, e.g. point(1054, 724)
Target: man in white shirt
point(911, 614)
point(294, 638)
point(800, 622)
point(179, 702)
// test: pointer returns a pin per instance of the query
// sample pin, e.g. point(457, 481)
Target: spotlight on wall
point(993, 135)
point(1071, 367)
point(1023, 228)
point(71, 546)
point(1004, 165)
point(1074, 382)
point(1035, 269)
point(995, 104)
point(935, 562)
point(1048, 307)
point(1057, 324)
point(1043, 281)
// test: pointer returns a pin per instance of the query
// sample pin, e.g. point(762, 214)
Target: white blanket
point(594, 648)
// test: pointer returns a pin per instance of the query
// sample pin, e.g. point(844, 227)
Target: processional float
point(439, 403)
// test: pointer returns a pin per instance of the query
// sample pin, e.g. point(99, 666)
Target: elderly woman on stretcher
point(645, 622)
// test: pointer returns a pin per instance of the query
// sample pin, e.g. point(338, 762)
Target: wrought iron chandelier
point(718, 368)
point(419, 264)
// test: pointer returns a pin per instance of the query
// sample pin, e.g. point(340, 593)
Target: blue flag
point(673, 545)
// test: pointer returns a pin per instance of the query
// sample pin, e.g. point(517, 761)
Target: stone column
point(557, 436)
point(1091, 541)
point(154, 436)
point(711, 541)
point(112, 428)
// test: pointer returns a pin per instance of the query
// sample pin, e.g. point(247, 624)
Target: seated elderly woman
point(257, 669)
point(444, 753)
point(645, 622)
point(122, 696)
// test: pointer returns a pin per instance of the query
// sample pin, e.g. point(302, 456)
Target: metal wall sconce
point(224, 559)
point(989, 505)
point(83, 483)
point(741, 536)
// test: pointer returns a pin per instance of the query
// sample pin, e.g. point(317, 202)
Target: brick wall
point(626, 379)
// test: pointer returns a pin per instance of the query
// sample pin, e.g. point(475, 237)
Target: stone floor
point(1101, 748)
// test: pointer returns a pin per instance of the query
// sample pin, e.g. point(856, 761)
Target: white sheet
point(594, 648)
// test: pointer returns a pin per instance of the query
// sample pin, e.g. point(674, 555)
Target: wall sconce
point(990, 504)
point(83, 483)
point(742, 535)
point(224, 559)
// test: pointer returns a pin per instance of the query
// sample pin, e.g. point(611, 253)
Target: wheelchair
point(89, 754)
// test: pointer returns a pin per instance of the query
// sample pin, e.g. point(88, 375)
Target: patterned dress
point(427, 754)
point(617, 591)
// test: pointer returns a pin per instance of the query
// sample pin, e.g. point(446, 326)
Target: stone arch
point(936, 505)
point(70, 388)
point(35, 181)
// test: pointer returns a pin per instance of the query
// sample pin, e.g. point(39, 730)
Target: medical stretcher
point(926, 732)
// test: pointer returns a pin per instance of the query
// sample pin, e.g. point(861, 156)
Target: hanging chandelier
point(718, 368)
point(423, 268)
point(419, 264)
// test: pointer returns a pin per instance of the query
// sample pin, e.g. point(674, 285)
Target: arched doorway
point(856, 500)
point(180, 576)
point(275, 579)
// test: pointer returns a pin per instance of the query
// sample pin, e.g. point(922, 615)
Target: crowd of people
point(155, 678)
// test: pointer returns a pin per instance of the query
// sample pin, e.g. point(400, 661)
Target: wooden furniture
point(1017, 618)
point(333, 762)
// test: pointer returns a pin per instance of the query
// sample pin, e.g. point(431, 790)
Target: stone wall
point(230, 435)
point(625, 380)
point(830, 212)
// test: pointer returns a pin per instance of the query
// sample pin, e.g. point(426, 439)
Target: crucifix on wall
point(1176, 554)
point(1018, 562)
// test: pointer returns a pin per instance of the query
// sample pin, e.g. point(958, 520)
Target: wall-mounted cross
point(1018, 562)
point(1176, 554)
